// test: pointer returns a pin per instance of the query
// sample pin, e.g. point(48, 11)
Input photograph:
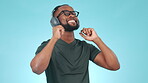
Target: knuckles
point(59, 27)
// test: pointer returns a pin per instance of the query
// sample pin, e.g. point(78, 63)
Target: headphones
point(54, 21)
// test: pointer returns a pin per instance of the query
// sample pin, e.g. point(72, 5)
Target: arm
point(106, 58)
point(40, 62)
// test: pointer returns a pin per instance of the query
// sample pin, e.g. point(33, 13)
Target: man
point(64, 58)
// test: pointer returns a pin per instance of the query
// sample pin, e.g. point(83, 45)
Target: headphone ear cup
point(54, 21)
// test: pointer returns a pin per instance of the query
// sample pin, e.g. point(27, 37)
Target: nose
point(71, 15)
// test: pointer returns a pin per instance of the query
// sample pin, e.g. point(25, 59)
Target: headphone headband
point(56, 8)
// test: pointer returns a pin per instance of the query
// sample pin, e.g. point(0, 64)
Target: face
point(69, 22)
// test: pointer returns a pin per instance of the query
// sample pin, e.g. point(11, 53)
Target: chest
point(70, 59)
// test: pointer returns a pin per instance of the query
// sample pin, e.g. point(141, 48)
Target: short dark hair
point(56, 8)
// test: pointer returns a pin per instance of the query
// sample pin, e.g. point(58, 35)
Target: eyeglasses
point(67, 13)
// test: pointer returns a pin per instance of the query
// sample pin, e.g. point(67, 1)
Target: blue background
point(121, 24)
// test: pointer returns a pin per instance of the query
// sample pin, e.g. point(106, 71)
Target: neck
point(68, 37)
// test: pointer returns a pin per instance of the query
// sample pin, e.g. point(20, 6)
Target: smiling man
point(64, 58)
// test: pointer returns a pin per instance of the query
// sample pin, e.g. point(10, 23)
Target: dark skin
point(106, 58)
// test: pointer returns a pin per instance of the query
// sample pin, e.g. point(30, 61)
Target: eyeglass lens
point(67, 13)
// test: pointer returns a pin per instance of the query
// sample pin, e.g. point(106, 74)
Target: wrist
point(96, 39)
point(54, 38)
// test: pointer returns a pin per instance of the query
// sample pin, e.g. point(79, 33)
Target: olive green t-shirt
point(69, 62)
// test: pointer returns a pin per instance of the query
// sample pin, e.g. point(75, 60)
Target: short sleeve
point(93, 52)
point(39, 49)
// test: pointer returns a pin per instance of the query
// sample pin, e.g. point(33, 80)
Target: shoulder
point(44, 43)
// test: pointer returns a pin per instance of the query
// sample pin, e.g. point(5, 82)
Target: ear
point(54, 21)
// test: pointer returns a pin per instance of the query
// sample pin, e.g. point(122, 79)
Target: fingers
point(83, 35)
point(90, 31)
point(87, 31)
point(59, 27)
point(62, 30)
point(88, 34)
point(58, 31)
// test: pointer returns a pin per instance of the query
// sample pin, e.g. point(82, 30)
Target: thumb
point(82, 35)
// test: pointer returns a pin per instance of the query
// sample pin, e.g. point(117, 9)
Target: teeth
point(71, 21)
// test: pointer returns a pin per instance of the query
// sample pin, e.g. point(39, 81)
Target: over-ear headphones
point(54, 21)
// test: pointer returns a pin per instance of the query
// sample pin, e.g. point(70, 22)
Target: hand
point(58, 31)
point(90, 34)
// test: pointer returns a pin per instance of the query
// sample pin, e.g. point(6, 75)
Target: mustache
point(72, 18)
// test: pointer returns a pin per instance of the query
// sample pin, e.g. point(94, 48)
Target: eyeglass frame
point(71, 12)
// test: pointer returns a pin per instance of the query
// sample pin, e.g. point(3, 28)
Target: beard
point(70, 28)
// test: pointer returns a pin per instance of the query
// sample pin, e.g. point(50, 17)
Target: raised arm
point(40, 62)
point(106, 58)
